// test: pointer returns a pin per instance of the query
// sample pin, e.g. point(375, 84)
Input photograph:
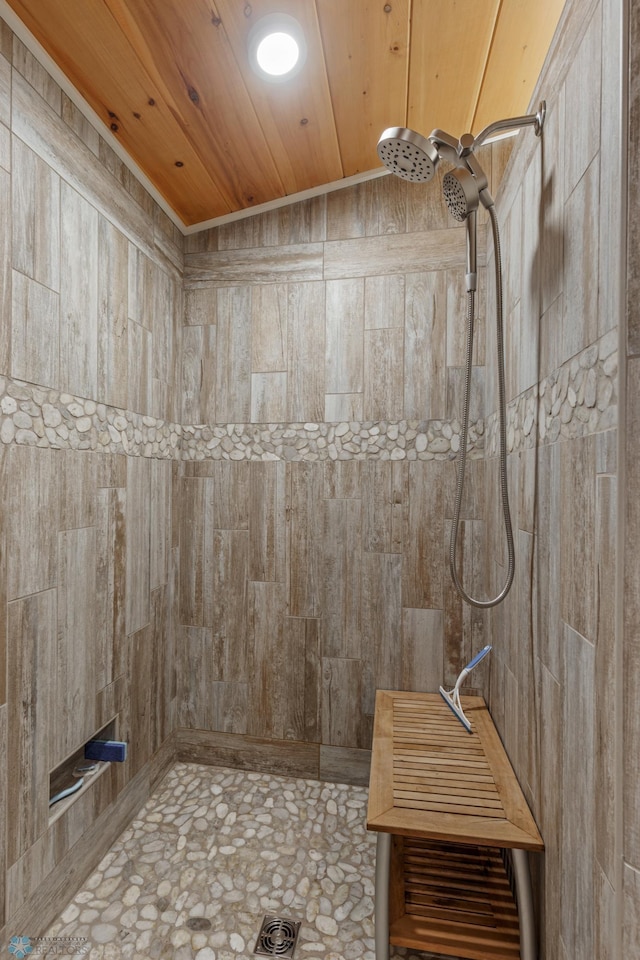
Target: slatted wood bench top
point(432, 779)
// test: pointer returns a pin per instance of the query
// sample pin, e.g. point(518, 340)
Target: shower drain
point(277, 938)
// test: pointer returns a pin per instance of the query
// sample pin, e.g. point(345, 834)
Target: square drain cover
point(277, 938)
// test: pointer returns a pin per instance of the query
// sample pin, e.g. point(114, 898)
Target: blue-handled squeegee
point(452, 697)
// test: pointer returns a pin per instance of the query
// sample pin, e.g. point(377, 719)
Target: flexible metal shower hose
point(462, 455)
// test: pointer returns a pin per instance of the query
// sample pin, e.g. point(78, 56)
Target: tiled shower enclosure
point(228, 475)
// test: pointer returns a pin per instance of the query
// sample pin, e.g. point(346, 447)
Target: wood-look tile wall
point(558, 641)
point(307, 585)
point(631, 515)
point(329, 312)
point(90, 305)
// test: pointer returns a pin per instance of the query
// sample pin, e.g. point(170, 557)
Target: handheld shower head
point(408, 154)
point(460, 193)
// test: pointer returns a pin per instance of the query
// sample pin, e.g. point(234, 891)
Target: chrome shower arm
point(536, 120)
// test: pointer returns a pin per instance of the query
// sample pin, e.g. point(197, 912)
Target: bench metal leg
point(528, 946)
point(381, 915)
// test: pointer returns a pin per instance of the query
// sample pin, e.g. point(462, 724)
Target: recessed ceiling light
point(277, 48)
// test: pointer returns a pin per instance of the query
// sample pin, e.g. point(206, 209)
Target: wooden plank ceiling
point(171, 80)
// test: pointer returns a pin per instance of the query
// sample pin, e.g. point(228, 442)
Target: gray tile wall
point(559, 637)
point(91, 308)
point(631, 518)
point(313, 577)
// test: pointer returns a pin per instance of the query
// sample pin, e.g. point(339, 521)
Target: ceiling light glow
point(277, 48)
point(278, 53)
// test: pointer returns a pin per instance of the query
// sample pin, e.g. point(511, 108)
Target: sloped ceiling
point(170, 79)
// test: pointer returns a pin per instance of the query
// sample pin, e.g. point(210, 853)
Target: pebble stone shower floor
point(213, 851)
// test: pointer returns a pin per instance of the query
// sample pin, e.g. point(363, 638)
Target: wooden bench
point(452, 874)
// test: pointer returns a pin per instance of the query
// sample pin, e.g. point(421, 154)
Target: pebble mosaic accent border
point(382, 440)
point(576, 400)
point(579, 398)
point(39, 417)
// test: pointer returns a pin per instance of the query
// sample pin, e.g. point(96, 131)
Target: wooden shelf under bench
point(452, 805)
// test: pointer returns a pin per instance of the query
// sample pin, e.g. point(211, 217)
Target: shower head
point(460, 193)
point(408, 154)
